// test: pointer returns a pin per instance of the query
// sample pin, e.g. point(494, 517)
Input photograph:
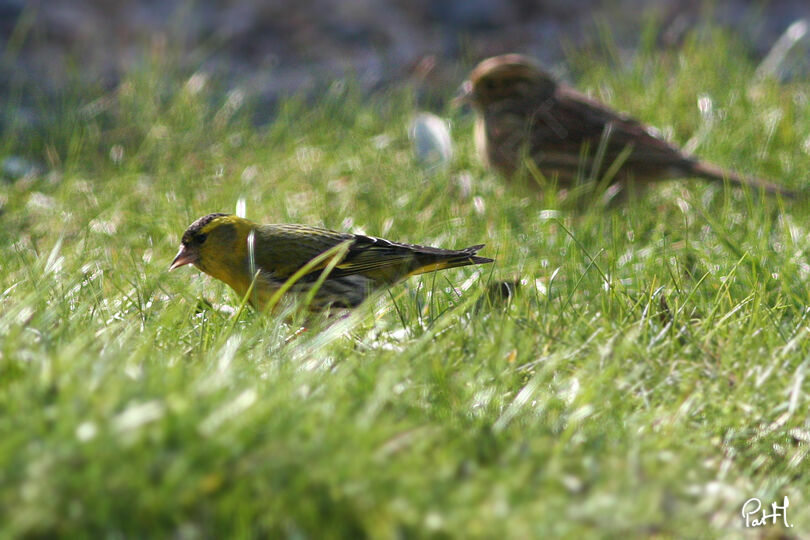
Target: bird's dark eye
point(201, 238)
point(489, 84)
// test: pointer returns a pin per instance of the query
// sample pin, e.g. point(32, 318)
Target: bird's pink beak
point(183, 257)
point(464, 95)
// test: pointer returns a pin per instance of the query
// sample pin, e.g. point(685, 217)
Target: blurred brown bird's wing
point(561, 126)
point(642, 154)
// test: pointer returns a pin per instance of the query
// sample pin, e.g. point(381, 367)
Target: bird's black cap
point(195, 228)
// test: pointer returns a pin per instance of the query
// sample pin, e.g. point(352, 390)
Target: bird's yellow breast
point(480, 138)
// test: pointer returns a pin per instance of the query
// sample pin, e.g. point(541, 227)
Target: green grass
point(649, 377)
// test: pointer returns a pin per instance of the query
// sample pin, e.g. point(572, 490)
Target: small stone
point(431, 140)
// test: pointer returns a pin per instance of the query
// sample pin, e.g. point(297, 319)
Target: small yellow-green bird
point(220, 246)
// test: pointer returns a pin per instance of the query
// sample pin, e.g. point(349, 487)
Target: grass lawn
point(649, 377)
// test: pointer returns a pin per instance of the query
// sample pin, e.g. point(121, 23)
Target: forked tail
point(442, 259)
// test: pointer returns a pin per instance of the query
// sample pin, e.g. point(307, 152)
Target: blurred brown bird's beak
point(183, 257)
point(464, 95)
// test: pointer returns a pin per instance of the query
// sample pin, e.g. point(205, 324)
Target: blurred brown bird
point(523, 112)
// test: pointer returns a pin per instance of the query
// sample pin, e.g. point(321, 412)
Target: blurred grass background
point(647, 379)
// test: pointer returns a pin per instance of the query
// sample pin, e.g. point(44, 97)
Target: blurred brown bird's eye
point(201, 238)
